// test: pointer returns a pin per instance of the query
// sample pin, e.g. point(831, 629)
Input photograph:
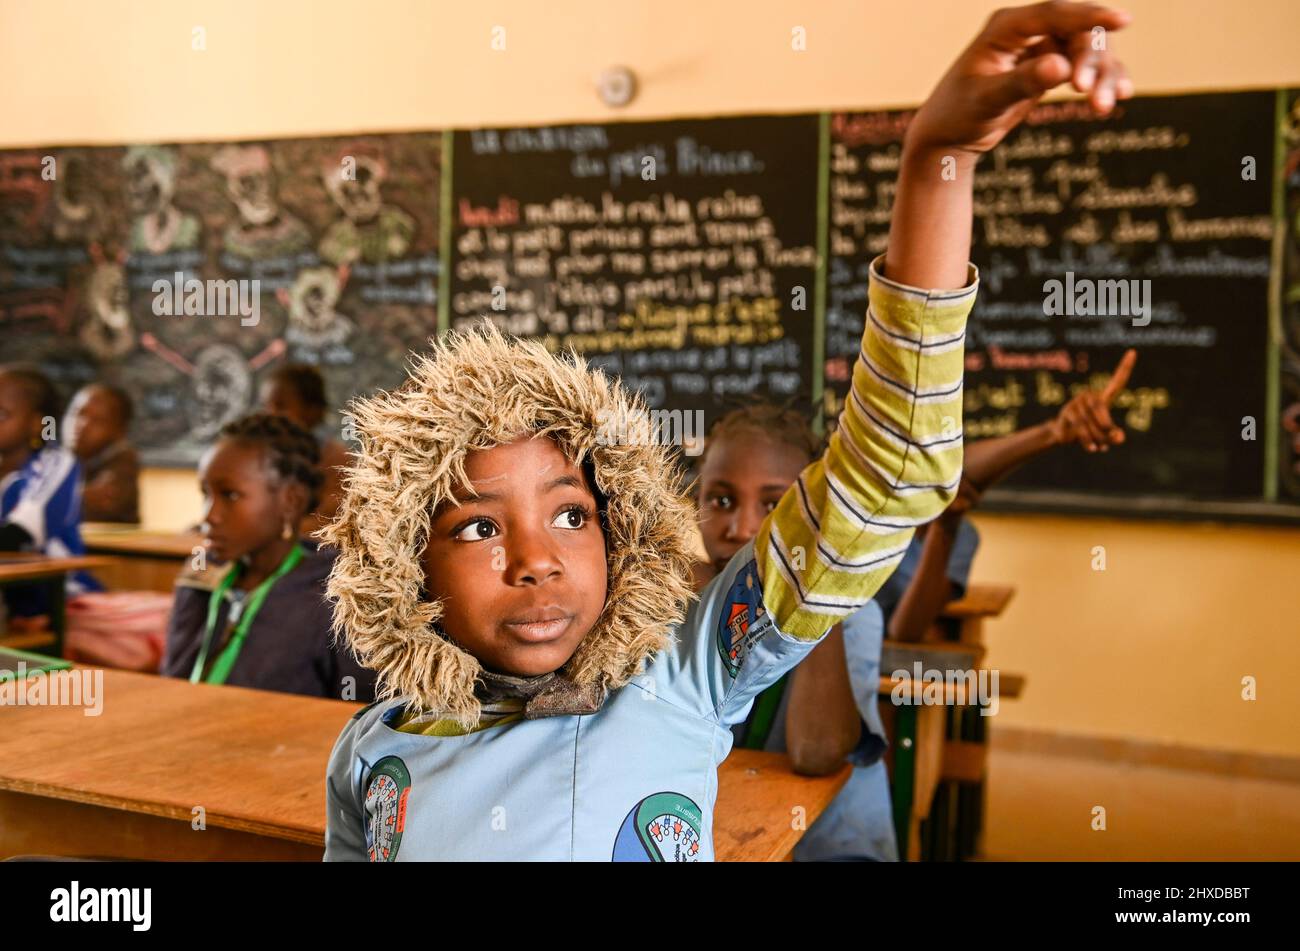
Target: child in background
point(262, 622)
point(296, 391)
point(509, 562)
point(98, 420)
point(827, 709)
point(751, 458)
point(40, 490)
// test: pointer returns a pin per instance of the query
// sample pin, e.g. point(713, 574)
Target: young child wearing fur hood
point(521, 582)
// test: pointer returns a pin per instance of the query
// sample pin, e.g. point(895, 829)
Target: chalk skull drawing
point(264, 229)
point(223, 387)
point(159, 226)
point(370, 231)
point(78, 210)
point(313, 321)
point(107, 331)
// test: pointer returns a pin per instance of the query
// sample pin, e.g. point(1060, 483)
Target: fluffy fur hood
point(477, 390)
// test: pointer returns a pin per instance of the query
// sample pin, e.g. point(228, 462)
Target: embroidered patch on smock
point(665, 827)
point(743, 619)
point(387, 790)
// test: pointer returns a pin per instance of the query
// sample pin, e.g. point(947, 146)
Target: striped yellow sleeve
point(893, 463)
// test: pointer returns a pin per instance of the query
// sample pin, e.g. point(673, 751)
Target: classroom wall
point(1154, 648)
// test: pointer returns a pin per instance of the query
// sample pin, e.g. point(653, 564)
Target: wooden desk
point(757, 795)
point(915, 756)
point(940, 752)
point(130, 783)
point(145, 560)
point(50, 574)
point(957, 814)
point(981, 601)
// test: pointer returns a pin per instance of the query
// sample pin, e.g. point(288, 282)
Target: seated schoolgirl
point(258, 616)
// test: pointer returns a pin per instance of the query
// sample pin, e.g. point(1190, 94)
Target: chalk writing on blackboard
point(1091, 238)
point(679, 256)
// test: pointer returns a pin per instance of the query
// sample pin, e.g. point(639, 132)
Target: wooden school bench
point(938, 755)
point(131, 782)
point(19, 568)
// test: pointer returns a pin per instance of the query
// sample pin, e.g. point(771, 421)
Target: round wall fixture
point(617, 86)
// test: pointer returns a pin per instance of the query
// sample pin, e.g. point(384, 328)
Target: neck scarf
point(544, 695)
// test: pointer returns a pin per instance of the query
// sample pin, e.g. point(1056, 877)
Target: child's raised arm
point(895, 461)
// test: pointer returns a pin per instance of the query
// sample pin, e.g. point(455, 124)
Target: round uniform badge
point(664, 827)
point(387, 790)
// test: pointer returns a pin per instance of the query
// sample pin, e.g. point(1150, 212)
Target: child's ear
point(294, 498)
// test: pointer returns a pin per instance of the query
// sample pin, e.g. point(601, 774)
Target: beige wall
point(1154, 648)
point(124, 70)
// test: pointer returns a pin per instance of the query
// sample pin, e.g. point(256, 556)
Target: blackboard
point(702, 262)
point(1287, 435)
point(678, 256)
point(1171, 203)
point(331, 245)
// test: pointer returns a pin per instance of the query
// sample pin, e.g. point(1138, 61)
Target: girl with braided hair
point(261, 620)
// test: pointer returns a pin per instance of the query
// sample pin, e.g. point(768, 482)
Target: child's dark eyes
point(230, 495)
point(475, 530)
point(573, 517)
point(726, 502)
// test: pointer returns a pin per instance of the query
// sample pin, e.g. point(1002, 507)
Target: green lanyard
point(226, 659)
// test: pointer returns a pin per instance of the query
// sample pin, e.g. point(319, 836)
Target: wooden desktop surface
point(131, 781)
point(21, 566)
point(132, 540)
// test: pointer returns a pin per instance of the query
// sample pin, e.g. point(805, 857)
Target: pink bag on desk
point(126, 630)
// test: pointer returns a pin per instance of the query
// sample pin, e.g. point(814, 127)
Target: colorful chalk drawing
point(341, 235)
